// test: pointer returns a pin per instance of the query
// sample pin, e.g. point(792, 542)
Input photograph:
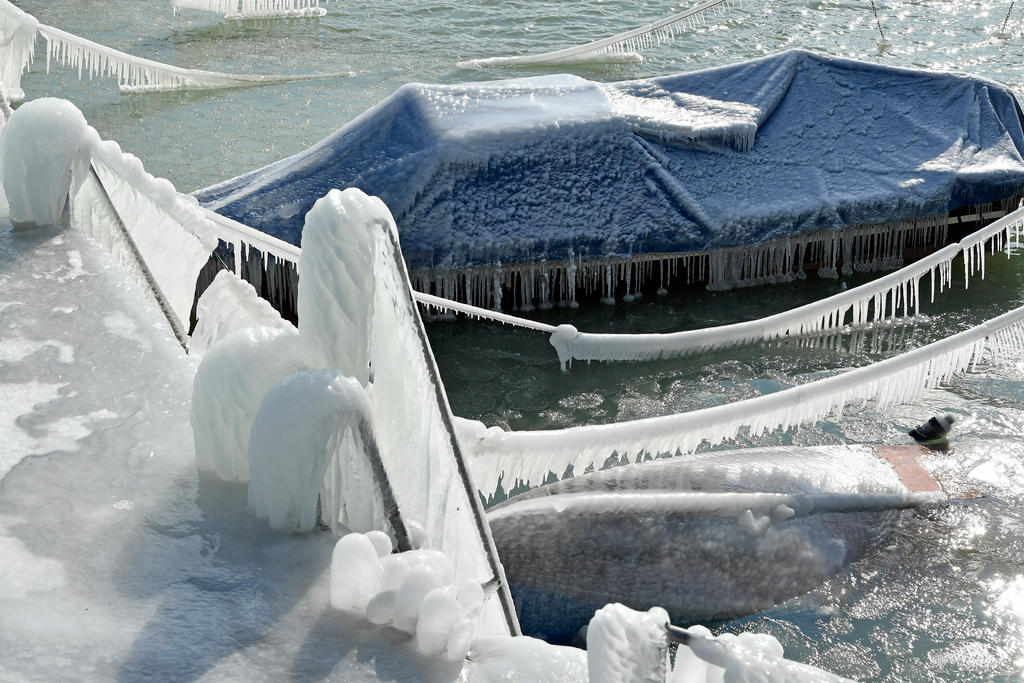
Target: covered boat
point(734, 175)
point(716, 535)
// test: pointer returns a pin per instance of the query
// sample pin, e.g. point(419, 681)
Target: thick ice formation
point(44, 148)
point(712, 536)
point(357, 317)
point(229, 304)
point(299, 428)
point(552, 184)
point(234, 376)
point(624, 645)
point(532, 455)
point(413, 591)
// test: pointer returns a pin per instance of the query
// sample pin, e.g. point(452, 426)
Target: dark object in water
point(934, 430)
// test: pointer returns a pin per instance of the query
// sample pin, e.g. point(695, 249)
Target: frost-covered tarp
point(525, 169)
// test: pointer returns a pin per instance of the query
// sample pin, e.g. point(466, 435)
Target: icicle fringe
point(891, 296)
point(620, 46)
point(885, 299)
point(242, 9)
point(17, 45)
point(17, 48)
point(531, 456)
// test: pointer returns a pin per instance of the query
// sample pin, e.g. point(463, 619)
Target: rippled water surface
point(943, 599)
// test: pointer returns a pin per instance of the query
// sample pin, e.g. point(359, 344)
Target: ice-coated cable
point(632, 41)
point(530, 456)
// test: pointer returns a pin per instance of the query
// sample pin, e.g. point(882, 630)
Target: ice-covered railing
point(531, 455)
point(17, 44)
point(622, 45)
point(356, 316)
point(236, 9)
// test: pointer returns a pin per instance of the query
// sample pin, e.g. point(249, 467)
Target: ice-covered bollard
point(44, 149)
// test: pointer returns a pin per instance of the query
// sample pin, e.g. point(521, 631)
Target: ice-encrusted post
point(358, 318)
point(44, 154)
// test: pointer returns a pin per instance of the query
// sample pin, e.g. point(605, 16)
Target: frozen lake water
point(943, 600)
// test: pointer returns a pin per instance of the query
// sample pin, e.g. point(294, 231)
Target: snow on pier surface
point(558, 169)
point(118, 562)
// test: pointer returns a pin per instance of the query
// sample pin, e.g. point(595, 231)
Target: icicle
point(92, 60)
point(531, 455)
point(625, 44)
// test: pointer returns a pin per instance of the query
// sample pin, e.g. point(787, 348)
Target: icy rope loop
point(530, 455)
point(875, 301)
point(622, 45)
point(17, 41)
point(241, 9)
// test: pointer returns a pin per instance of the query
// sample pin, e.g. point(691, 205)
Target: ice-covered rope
point(17, 45)
point(881, 299)
point(878, 22)
point(239, 9)
point(621, 44)
point(140, 74)
point(875, 301)
point(1007, 18)
point(531, 455)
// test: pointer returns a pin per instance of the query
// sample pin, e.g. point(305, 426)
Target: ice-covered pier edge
point(158, 235)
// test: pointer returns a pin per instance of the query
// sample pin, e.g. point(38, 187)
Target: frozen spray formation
point(228, 305)
point(626, 645)
point(413, 591)
point(43, 148)
point(356, 314)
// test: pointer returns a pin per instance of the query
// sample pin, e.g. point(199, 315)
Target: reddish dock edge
point(904, 461)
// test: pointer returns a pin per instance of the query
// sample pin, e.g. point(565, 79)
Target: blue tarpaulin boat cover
point(525, 169)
